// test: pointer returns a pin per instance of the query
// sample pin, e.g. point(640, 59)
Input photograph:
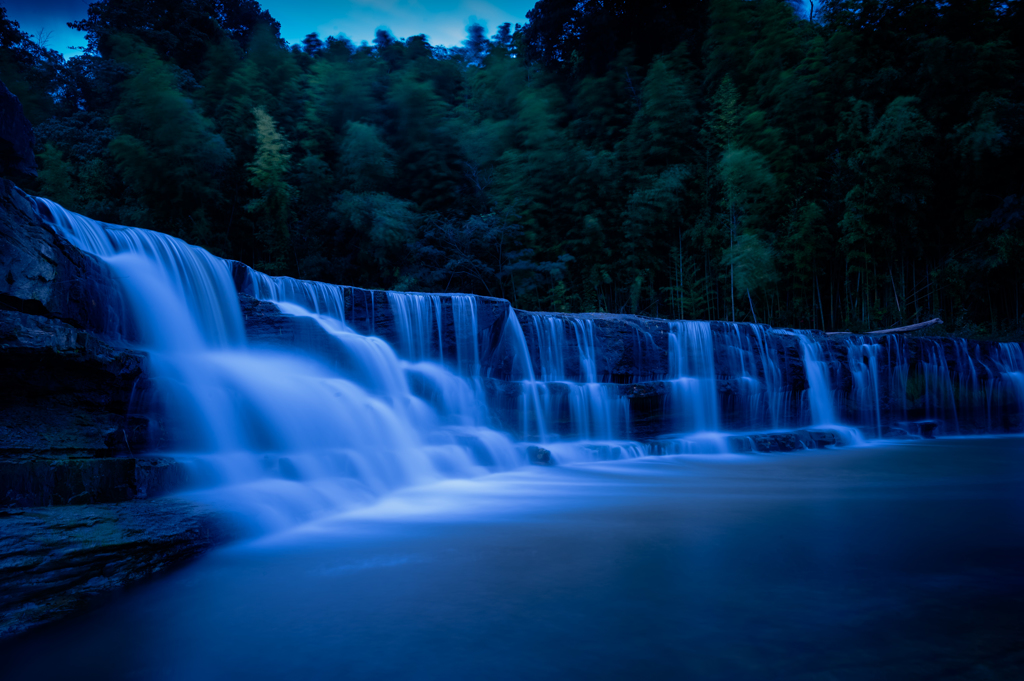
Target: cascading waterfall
point(588, 410)
point(292, 437)
point(693, 401)
point(863, 357)
point(693, 398)
point(309, 428)
point(1007, 387)
point(819, 389)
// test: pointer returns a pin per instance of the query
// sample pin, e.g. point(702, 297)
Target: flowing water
point(380, 461)
point(406, 389)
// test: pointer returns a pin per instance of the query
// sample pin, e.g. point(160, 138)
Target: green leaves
point(604, 157)
point(382, 223)
point(892, 166)
point(752, 261)
point(166, 151)
point(271, 208)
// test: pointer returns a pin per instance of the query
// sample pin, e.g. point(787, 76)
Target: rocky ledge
point(80, 515)
point(56, 560)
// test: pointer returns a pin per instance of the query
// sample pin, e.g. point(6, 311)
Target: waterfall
point(285, 428)
point(397, 389)
point(694, 395)
point(819, 389)
point(571, 393)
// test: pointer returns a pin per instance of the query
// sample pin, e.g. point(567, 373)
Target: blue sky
point(444, 21)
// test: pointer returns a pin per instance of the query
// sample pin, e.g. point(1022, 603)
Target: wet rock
point(69, 432)
point(157, 476)
point(64, 388)
point(266, 326)
point(648, 404)
point(739, 444)
point(58, 560)
point(628, 348)
point(369, 312)
point(894, 433)
point(538, 456)
point(62, 480)
point(48, 479)
point(776, 442)
point(42, 274)
point(824, 438)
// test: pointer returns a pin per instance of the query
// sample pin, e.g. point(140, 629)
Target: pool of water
point(887, 562)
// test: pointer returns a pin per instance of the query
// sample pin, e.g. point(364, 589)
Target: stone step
point(60, 479)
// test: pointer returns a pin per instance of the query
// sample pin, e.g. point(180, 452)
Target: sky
point(443, 21)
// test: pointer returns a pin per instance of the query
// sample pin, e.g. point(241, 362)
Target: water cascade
point(381, 391)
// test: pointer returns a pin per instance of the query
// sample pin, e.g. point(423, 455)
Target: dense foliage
point(720, 159)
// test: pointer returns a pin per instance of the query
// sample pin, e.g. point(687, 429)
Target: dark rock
point(629, 349)
point(68, 433)
point(62, 479)
point(927, 429)
point(42, 274)
point(58, 560)
point(65, 390)
point(776, 442)
point(367, 312)
point(16, 137)
point(647, 409)
point(894, 433)
point(159, 475)
point(824, 438)
point(538, 456)
point(266, 326)
point(739, 444)
point(783, 441)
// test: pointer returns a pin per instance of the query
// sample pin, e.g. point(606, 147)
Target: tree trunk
point(900, 329)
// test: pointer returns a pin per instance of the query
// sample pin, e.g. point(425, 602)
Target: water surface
point(887, 562)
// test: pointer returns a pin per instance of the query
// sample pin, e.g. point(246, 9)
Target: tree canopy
point(702, 159)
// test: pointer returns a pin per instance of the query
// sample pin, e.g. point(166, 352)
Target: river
point(892, 561)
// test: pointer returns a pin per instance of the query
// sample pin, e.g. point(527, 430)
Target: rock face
point(43, 275)
point(16, 137)
point(68, 434)
point(68, 391)
point(56, 560)
point(78, 517)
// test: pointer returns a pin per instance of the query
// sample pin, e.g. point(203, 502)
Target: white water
point(279, 434)
point(295, 432)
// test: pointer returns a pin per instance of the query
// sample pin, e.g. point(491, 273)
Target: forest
point(851, 165)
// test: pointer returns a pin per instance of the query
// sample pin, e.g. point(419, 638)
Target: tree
point(29, 70)
point(272, 207)
point(366, 161)
point(476, 45)
point(165, 150)
point(747, 182)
